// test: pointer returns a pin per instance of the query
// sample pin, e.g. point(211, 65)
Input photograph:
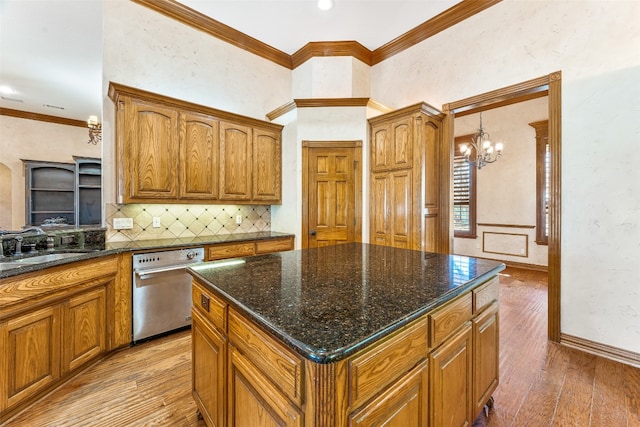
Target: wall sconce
point(95, 130)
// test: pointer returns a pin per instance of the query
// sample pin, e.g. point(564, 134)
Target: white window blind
point(461, 194)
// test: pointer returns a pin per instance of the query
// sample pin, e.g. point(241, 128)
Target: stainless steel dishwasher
point(162, 291)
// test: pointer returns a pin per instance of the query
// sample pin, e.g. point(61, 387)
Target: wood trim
point(486, 224)
point(217, 29)
point(441, 22)
point(42, 117)
point(337, 48)
point(526, 244)
point(325, 102)
point(522, 98)
point(542, 139)
point(332, 144)
point(117, 90)
point(603, 350)
point(552, 83)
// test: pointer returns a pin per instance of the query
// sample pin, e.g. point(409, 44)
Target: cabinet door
point(401, 210)
point(401, 147)
point(198, 157)
point(380, 152)
point(450, 381)
point(253, 400)
point(379, 209)
point(404, 404)
point(235, 162)
point(267, 166)
point(486, 354)
point(151, 151)
point(209, 350)
point(84, 329)
point(30, 357)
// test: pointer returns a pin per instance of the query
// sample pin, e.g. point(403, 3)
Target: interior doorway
point(331, 192)
point(551, 84)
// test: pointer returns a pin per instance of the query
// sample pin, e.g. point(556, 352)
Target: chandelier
point(485, 151)
point(95, 130)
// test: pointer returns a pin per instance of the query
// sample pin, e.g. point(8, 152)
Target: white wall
point(506, 190)
point(33, 140)
point(146, 50)
point(595, 45)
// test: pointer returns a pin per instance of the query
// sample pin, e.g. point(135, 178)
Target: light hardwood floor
point(541, 383)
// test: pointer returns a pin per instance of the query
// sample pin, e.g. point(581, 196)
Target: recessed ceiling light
point(325, 4)
point(7, 90)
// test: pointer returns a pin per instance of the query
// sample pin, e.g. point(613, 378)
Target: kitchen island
point(354, 334)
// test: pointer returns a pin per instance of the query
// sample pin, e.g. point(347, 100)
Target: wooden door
point(30, 357)
point(152, 151)
point(209, 350)
point(401, 144)
point(267, 166)
point(198, 156)
point(85, 328)
point(331, 195)
point(235, 162)
point(450, 381)
point(253, 401)
point(401, 198)
point(379, 212)
point(404, 404)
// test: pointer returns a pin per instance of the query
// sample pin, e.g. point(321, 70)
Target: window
point(464, 193)
point(543, 173)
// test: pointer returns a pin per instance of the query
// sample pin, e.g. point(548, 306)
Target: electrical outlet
point(239, 219)
point(123, 223)
point(156, 222)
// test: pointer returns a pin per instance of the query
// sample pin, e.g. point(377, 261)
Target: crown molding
point(217, 29)
point(433, 26)
point(42, 117)
point(325, 102)
point(199, 21)
point(340, 48)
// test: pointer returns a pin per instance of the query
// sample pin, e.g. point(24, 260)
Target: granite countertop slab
point(10, 269)
point(328, 303)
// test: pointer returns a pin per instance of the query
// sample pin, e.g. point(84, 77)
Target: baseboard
point(520, 265)
point(602, 350)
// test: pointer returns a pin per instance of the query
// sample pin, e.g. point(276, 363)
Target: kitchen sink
point(44, 258)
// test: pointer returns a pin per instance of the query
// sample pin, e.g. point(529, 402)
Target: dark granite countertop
point(10, 269)
point(328, 303)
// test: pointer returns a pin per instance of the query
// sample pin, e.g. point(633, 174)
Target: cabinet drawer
point(446, 320)
point(230, 250)
point(372, 371)
point(276, 245)
point(484, 295)
point(276, 362)
point(210, 306)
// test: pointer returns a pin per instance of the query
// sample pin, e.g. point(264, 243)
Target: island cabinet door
point(30, 357)
point(404, 404)
point(486, 356)
point(253, 400)
point(450, 381)
point(209, 350)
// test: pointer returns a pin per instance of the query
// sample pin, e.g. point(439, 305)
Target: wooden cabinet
point(242, 249)
point(168, 150)
point(198, 157)
point(406, 195)
point(30, 355)
point(209, 354)
point(439, 370)
point(68, 327)
point(235, 162)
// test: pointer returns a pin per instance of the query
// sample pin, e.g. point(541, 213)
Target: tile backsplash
point(185, 220)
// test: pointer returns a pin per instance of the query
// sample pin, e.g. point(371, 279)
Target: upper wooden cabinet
point(408, 159)
point(173, 150)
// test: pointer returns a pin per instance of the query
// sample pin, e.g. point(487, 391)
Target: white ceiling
point(51, 50)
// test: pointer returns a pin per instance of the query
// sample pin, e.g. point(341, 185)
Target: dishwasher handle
point(144, 273)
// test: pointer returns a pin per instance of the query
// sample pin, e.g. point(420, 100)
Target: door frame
point(357, 182)
point(550, 83)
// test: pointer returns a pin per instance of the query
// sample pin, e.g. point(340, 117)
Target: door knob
point(313, 232)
